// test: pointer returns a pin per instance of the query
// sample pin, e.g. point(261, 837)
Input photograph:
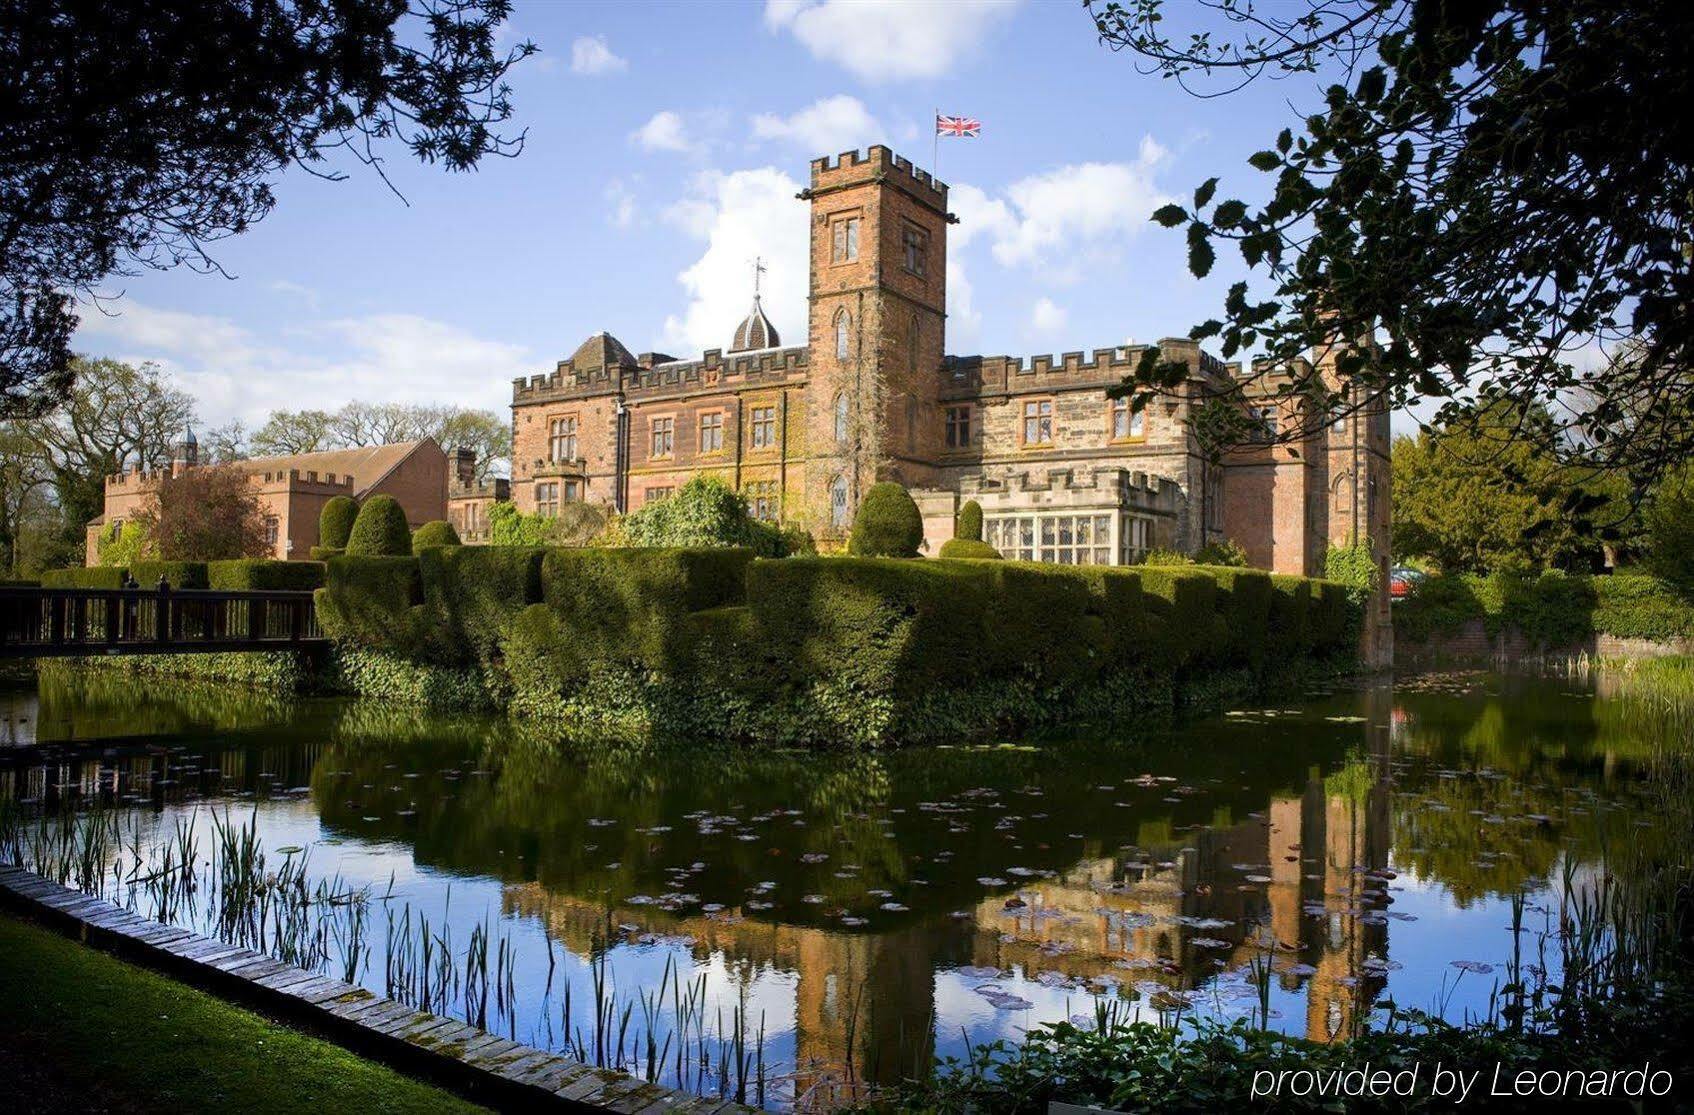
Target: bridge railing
point(42, 622)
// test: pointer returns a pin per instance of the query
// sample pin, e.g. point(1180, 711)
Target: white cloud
point(622, 201)
point(834, 124)
point(1058, 220)
point(884, 40)
point(964, 320)
point(739, 216)
point(664, 132)
point(382, 357)
point(1047, 316)
point(591, 57)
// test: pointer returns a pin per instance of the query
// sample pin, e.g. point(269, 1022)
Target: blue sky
point(665, 144)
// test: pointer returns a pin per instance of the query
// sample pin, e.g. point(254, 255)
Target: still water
point(857, 915)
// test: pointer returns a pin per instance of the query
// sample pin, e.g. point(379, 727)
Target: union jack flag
point(960, 127)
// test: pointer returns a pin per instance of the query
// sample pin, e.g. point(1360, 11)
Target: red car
point(1403, 581)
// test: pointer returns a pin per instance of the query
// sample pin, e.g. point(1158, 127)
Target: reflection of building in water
point(862, 1001)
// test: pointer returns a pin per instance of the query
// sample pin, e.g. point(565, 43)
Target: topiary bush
point(888, 524)
point(335, 522)
point(472, 594)
point(375, 602)
point(438, 532)
point(380, 530)
point(969, 548)
point(264, 574)
point(968, 525)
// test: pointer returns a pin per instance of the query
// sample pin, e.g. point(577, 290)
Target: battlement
point(295, 479)
point(712, 371)
point(1124, 487)
point(850, 168)
point(994, 375)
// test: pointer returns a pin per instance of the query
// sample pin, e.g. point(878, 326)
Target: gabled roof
point(368, 465)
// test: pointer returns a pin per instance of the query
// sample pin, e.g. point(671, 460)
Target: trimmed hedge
point(437, 532)
point(177, 574)
point(375, 602)
point(93, 576)
point(472, 594)
point(335, 522)
point(968, 548)
point(380, 530)
point(264, 574)
point(888, 524)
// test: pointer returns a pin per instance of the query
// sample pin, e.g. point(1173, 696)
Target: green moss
point(335, 522)
point(380, 530)
point(888, 524)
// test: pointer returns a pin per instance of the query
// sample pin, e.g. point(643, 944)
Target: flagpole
point(935, 145)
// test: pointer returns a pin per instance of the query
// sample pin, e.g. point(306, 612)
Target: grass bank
point(84, 1031)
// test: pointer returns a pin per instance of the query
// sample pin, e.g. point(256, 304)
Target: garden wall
point(1505, 620)
point(812, 650)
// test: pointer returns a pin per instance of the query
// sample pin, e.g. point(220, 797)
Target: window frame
point(1024, 419)
point(1113, 407)
point(547, 496)
point(845, 230)
point(958, 421)
point(554, 437)
point(653, 433)
point(914, 247)
point(843, 322)
point(717, 427)
point(755, 422)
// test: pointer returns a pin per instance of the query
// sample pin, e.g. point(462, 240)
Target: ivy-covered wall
point(1551, 612)
point(860, 651)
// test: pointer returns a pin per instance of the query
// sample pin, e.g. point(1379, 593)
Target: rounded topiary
point(335, 522)
point(888, 524)
point(380, 530)
point(968, 525)
point(438, 532)
point(968, 548)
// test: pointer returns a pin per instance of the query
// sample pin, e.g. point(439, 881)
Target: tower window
point(664, 437)
point(913, 244)
point(711, 432)
point(561, 439)
point(843, 331)
point(761, 499)
point(846, 245)
point(764, 427)
point(841, 418)
point(958, 427)
point(547, 498)
point(1038, 422)
point(1127, 424)
point(838, 502)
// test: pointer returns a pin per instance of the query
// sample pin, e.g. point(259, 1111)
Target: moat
point(1305, 863)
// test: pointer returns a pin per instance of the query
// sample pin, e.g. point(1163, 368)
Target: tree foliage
point(137, 135)
point(1486, 190)
point(205, 514)
point(1669, 520)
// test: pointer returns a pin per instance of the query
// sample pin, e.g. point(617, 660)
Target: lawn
point(83, 1031)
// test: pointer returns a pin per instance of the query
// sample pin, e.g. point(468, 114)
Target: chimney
point(464, 466)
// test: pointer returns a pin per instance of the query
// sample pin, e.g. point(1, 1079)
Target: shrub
point(1335, 618)
point(380, 530)
point(335, 522)
point(95, 576)
point(968, 525)
point(264, 574)
point(1225, 553)
point(177, 574)
point(432, 534)
point(968, 548)
point(374, 602)
point(1288, 626)
point(705, 512)
point(798, 542)
point(1669, 521)
point(471, 595)
point(1354, 567)
point(1636, 607)
point(576, 524)
point(324, 553)
point(1166, 557)
point(1181, 611)
point(888, 524)
point(120, 544)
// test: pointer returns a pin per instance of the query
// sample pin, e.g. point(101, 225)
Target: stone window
point(1038, 422)
point(843, 334)
point(547, 497)
point(846, 240)
point(711, 432)
point(1127, 424)
point(958, 427)
point(1084, 539)
point(272, 530)
point(654, 495)
point(1266, 419)
point(561, 439)
point(841, 418)
point(913, 244)
point(761, 499)
point(764, 427)
point(1137, 537)
point(664, 437)
point(838, 503)
point(573, 491)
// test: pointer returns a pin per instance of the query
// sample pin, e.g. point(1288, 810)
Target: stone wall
point(1471, 645)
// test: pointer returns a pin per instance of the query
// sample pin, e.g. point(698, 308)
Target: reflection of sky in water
point(919, 897)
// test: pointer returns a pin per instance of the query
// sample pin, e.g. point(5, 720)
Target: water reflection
point(872, 909)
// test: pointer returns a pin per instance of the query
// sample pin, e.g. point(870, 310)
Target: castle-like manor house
point(1063, 473)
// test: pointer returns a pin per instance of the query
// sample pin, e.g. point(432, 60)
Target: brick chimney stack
point(464, 466)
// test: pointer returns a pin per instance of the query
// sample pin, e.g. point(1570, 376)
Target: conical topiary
point(335, 522)
point(888, 524)
point(380, 530)
point(969, 523)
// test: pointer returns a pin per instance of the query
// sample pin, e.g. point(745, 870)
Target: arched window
point(841, 417)
point(843, 325)
point(838, 502)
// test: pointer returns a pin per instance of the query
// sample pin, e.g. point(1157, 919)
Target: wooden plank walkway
point(56, 622)
point(482, 1066)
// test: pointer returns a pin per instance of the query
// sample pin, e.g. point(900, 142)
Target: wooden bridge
point(55, 622)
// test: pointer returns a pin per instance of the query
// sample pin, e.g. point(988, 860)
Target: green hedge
point(1552, 610)
point(380, 530)
point(177, 574)
point(968, 548)
point(472, 594)
point(1241, 627)
point(264, 574)
point(376, 603)
point(1288, 634)
point(94, 576)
